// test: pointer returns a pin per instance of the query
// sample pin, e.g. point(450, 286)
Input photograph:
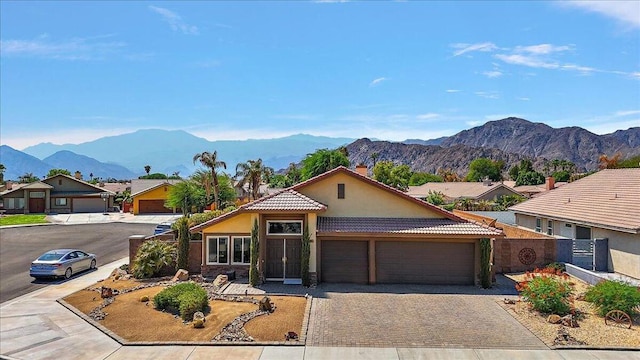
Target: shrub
point(186, 298)
point(613, 295)
point(547, 291)
point(184, 236)
point(151, 257)
point(485, 263)
point(556, 266)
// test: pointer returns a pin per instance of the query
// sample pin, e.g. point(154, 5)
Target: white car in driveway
point(62, 263)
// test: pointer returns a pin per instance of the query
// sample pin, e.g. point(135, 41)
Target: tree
point(306, 255)
point(278, 181)
point(254, 276)
point(185, 195)
point(374, 157)
point(483, 168)
point(632, 162)
point(293, 175)
point(607, 162)
point(448, 175)
point(561, 176)
point(421, 178)
point(227, 193)
point(54, 172)
point(253, 173)
point(28, 178)
point(530, 178)
point(183, 243)
point(396, 176)
point(157, 176)
point(435, 198)
point(147, 169)
point(210, 160)
point(2, 170)
point(205, 180)
point(322, 161)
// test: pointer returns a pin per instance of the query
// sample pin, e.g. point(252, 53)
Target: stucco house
point(486, 190)
point(149, 195)
point(602, 205)
point(56, 194)
point(362, 231)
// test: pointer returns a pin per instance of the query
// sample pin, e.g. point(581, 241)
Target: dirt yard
point(592, 330)
point(134, 320)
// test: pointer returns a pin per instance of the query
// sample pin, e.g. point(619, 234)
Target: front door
point(284, 258)
point(36, 205)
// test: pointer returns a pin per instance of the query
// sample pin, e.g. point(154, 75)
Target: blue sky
point(75, 71)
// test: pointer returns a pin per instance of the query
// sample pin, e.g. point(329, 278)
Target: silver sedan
point(62, 263)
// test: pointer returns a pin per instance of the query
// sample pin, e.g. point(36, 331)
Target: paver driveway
point(414, 316)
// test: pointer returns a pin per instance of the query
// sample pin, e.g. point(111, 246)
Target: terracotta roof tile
point(286, 200)
point(609, 199)
point(402, 226)
point(455, 190)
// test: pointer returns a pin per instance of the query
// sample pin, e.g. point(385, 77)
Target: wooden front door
point(36, 205)
point(289, 250)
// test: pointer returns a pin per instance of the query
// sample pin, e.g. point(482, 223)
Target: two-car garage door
point(153, 207)
point(411, 262)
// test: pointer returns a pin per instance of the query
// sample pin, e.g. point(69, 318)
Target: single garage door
point(88, 205)
point(344, 261)
point(153, 207)
point(424, 262)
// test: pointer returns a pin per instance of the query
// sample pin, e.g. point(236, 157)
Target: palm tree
point(147, 169)
point(374, 157)
point(210, 160)
point(253, 172)
point(204, 178)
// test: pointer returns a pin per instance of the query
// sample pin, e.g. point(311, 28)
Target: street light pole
point(104, 197)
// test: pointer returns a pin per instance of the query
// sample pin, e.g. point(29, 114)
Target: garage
point(88, 205)
point(153, 207)
point(413, 262)
point(344, 261)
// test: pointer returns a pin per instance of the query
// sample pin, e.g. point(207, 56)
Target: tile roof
point(455, 190)
point(142, 185)
point(402, 226)
point(286, 200)
point(608, 199)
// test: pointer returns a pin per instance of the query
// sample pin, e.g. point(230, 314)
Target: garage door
point(424, 262)
point(88, 205)
point(153, 207)
point(344, 261)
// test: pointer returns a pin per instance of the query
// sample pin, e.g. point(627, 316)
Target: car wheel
point(93, 264)
point(68, 273)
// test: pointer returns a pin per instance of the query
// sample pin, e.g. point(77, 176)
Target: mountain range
point(511, 139)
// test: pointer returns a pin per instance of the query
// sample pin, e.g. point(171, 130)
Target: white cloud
point(627, 113)
point(466, 48)
point(542, 49)
point(488, 94)
point(377, 81)
point(523, 98)
point(531, 61)
point(452, 90)
point(73, 49)
point(492, 74)
point(427, 116)
point(635, 75)
point(474, 123)
point(625, 12)
point(175, 21)
point(608, 126)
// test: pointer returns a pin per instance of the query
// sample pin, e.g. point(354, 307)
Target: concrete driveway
point(414, 316)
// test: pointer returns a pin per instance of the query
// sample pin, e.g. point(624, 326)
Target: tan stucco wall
point(313, 222)
point(239, 224)
point(159, 193)
point(362, 199)
point(624, 251)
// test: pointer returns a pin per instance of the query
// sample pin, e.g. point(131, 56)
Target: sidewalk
point(35, 326)
point(92, 218)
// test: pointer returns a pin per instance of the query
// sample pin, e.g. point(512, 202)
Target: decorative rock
point(106, 292)
point(265, 304)
point(554, 319)
point(290, 336)
point(181, 275)
point(509, 301)
point(570, 321)
point(198, 320)
point(144, 298)
point(220, 280)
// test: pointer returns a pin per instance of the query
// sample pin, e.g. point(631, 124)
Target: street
point(21, 245)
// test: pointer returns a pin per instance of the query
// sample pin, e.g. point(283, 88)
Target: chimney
point(78, 175)
point(549, 183)
point(9, 185)
point(362, 170)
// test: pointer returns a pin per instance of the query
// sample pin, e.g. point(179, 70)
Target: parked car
point(163, 227)
point(62, 263)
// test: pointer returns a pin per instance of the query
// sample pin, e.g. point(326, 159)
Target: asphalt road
point(21, 245)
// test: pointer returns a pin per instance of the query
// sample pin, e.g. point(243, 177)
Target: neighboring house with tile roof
point(530, 191)
point(361, 230)
point(453, 191)
point(56, 194)
point(602, 205)
point(149, 195)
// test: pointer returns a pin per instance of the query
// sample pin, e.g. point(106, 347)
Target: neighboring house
point(453, 191)
point(149, 195)
point(56, 194)
point(603, 205)
point(243, 194)
point(530, 191)
point(361, 230)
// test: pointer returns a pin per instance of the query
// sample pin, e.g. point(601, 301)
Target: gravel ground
point(592, 329)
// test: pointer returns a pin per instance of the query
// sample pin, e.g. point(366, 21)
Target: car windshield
point(51, 256)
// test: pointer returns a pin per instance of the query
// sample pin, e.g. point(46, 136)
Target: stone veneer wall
point(517, 255)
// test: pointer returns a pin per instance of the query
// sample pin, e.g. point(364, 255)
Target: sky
point(72, 72)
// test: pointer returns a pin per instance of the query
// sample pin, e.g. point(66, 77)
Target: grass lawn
point(23, 219)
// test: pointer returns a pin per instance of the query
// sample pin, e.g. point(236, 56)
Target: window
point(549, 227)
point(217, 250)
point(60, 182)
point(36, 195)
point(241, 252)
point(538, 225)
point(583, 232)
point(340, 191)
point(284, 227)
point(14, 203)
point(61, 201)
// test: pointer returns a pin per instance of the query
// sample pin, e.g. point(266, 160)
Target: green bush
point(613, 295)
point(556, 266)
point(186, 298)
point(152, 256)
point(546, 293)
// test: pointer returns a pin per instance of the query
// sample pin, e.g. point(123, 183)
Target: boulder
point(265, 304)
point(291, 335)
point(106, 292)
point(198, 320)
point(554, 319)
point(570, 321)
point(220, 280)
point(181, 275)
point(144, 298)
